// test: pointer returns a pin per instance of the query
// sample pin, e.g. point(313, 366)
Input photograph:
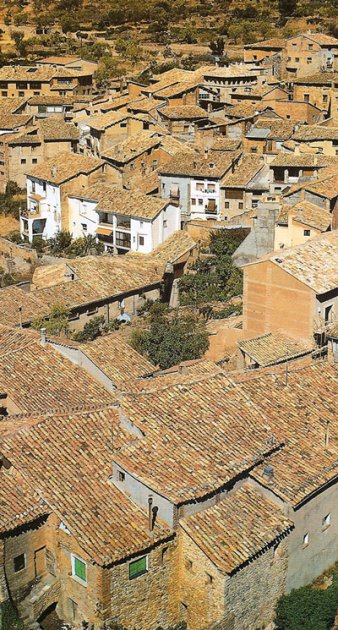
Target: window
point(19, 562)
point(165, 223)
point(34, 161)
point(138, 567)
point(310, 46)
point(209, 579)
point(84, 227)
point(193, 201)
point(227, 204)
point(141, 240)
point(33, 187)
point(307, 232)
point(121, 476)
point(307, 98)
point(200, 202)
point(325, 98)
point(79, 569)
point(44, 186)
point(309, 60)
point(240, 206)
point(200, 186)
point(3, 93)
point(23, 161)
point(326, 520)
point(253, 149)
point(21, 94)
point(296, 59)
point(306, 540)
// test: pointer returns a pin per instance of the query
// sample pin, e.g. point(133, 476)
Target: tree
point(91, 330)
point(287, 7)
point(59, 243)
point(20, 44)
point(217, 46)
point(108, 69)
point(171, 339)
point(68, 24)
point(84, 246)
point(57, 321)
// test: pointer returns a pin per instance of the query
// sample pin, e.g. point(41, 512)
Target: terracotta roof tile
point(273, 348)
point(238, 528)
point(64, 166)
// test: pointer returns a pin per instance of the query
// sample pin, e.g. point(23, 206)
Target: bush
point(91, 330)
point(308, 608)
point(57, 321)
point(169, 341)
point(9, 619)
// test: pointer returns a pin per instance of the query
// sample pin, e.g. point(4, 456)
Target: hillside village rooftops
point(314, 263)
point(52, 99)
point(60, 60)
point(184, 112)
point(19, 504)
point(56, 129)
point(177, 89)
point(11, 105)
point(63, 167)
point(66, 459)
point(320, 38)
point(144, 105)
point(303, 160)
point(273, 348)
point(279, 129)
point(125, 202)
point(26, 73)
point(189, 165)
point(225, 144)
point(326, 186)
point(308, 133)
point(100, 122)
point(237, 529)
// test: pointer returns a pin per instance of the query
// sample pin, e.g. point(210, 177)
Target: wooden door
point(40, 565)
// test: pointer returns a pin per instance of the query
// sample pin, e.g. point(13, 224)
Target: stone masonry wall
point(252, 593)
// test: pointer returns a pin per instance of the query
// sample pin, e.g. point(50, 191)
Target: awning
point(104, 231)
point(211, 204)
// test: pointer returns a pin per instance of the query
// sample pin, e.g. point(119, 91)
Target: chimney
point(268, 473)
point(150, 513)
point(43, 337)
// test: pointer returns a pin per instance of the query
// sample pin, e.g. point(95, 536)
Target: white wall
point(49, 206)
point(199, 211)
point(82, 213)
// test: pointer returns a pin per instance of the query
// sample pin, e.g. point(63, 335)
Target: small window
point(79, 569)
point(296, 59)
point(326, 520)
point(138, 567)
point(84, 227)
point(240, 206)
point(3, 93)
point(23, 161)
point(307, 98)
point(200, 202)
point(227, 204)
point(253, 149)
point(193, 201)
point(141, 240)
point(307, 232)
point(34, 161)
point(306, 540)
point(309, 60)
point(325, 98)
point(121, 476)
point(21, 94)
point(19, 562)
point(165, 223)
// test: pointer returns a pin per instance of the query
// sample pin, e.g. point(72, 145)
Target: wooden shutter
point(138, 567)
point(80, 569)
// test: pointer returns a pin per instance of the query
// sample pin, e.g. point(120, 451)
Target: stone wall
point(252, 593)
point(15, 257)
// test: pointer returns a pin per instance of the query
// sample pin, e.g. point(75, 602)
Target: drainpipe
point(150, 513)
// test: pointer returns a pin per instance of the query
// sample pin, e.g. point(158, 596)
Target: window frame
point(77, 578)
point(25, 562)
point(133, 577)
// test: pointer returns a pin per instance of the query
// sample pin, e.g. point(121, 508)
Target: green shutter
point(80, 569)
point(138, 567)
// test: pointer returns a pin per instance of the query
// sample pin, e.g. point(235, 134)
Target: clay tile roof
point(56, 129)
point(126, 202)
point(332, 331)
point(57, 382)
point(279, 129)
point(186, 164)
point(184, 112)
point(237, 529)
point(274, 43)
point(273, 348)
point(18, 504)
point(315, 263)
point(308, 133)
point(117, 359)
point(245, 171)
point(130, 148)
point(225, 144)
point(179, 88)
point(67, 460)
point(321, 39)
point(64, 166)
point(303, 160)
point(27, 73)
point(144, 105)
point(320, 78)
point(11, 105)
point(311, 215)
point(52, 99)
point(326, 186)
point(13, 121)
point(100, 122)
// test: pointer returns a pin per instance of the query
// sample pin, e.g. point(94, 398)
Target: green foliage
point(20, 44)
point(171, 339)
point(10, 204)
point(8, 280)
point(217, 46)
point(9, 619)
point(15, 237)
point(84, 246)
point(91, 330)
point(109, 68)
point(59, 243)
point(216, 279)
point(287, 7)
point(308, 608)
point(57, 322)
point(233, 309)
point(39, 244)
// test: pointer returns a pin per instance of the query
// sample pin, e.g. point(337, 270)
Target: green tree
point(108, 69)
point(20, 44)
point(69, 24)
point(217, 46)
point(57, 321)
point(171, 339)
point(60, 242)
point(287, 7)
point(84, 246)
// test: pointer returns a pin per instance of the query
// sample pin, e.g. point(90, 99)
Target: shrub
point(91, 330)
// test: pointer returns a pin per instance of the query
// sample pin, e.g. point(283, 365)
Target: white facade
point(205, 199)
point(43, 217)
point(121, 233)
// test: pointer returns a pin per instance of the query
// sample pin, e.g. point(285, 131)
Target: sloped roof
point(64, 166)
point(237, 529)
point(129, 203)
point(273, 348)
